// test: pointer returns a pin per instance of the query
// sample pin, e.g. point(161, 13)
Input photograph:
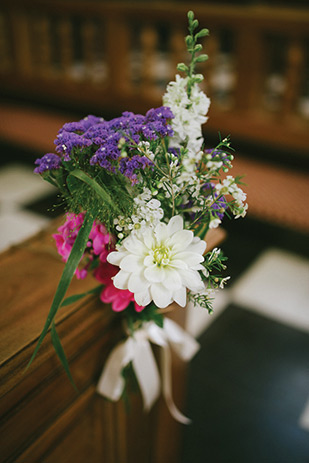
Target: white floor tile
point(304, 418)
point(18, 226)
point(18, 184)
point(276, 285)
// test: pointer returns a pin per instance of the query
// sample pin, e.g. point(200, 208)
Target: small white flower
point(214, 223)
point(160, 263)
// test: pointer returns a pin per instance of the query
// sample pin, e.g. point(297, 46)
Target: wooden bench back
point(113, 57)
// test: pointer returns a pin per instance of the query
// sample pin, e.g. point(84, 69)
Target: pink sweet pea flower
point(100, 243)
point(104, 273)
point(119, 298)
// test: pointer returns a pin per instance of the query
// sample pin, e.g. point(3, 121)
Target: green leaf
point(61, 354)
point(66, 277)
point(76, 297)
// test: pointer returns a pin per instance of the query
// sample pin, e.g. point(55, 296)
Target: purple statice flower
point(133, 128)
point(157, 122)
point(163, 113)
point(174, 151)
point(219, 202)
point(66, 141)
point(218, 208)
point(219, 154)
point(49, 161)
point(105, 136)
point(82, 125)
point(100, 130)
point(129, 166)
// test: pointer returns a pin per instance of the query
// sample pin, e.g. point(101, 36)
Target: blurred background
point(248, 388)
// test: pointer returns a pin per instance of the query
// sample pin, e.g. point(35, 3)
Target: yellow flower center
point(161, 256)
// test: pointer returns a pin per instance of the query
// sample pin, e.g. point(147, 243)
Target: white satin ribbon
point(137, 349)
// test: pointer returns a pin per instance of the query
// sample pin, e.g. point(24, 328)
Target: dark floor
point(249, 383)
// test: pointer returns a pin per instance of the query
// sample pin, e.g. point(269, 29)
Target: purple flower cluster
point(49, 161)
point(129, 166)
point(109, 139)
point(129, 129)
point(66, 141)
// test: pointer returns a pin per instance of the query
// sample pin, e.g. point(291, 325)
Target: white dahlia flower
point(159, 264)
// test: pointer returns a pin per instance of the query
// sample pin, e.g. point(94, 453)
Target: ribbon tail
point(146, 372)
point(167, 386)
point(111, 382)
point(182, 342)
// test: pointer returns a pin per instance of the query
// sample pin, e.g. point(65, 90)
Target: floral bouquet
point(141, 193)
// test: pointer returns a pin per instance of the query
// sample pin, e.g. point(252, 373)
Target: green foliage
point(135, 319)
point(65, 280)
point(202, 300)
point(61, 354)
point(76, 297)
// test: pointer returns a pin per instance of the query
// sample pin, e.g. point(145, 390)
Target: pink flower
point(104, 273)
point(119, 298)
point(100, 243)
point(67, 234)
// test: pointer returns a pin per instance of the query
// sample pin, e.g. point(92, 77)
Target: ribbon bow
point(137, 349)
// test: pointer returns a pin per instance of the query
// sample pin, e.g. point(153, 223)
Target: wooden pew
point(42, 418)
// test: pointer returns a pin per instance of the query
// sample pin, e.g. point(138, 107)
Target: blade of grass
point(61, 354)
point(66, 278)
point(76, 297)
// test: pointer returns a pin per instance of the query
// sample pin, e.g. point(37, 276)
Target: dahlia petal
point(143, 298)
point(197, 245)
point(161, 296)
point(154, 274)
point(136, 282)
point(177, 263)
point(198, 267)
point(115, 257)
point(161, 232)
point(134, 245)
point(175, 224)
point(172, 279)
point(180, 296)
point(190, 258)
point(148, 261)
point(131, 263)
point(181, 240)
point(192, 280)
point(121, 280)
point(149, 239)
